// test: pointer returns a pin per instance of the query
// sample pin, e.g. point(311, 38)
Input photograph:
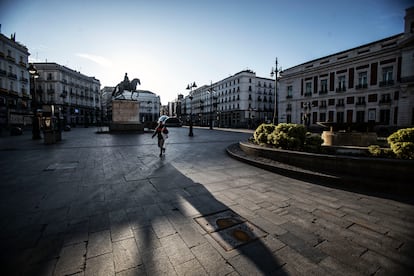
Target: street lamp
point(190, 87)
point(275, 71)
point(35, 120)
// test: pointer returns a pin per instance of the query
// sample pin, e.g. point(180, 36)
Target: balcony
point(24, 80)
point(11, 58)
point(13, 93)
point(4, 90)
point(308, 94)
point(12, 76)
point(50, 91)
point(363, 104)
point(340, 89)
point(3, 72)
point(322, 92)
point(340, 105)
point(289, 97)
point(386, 83)
point(23, 64)
point(361, 86)
point(385, 101)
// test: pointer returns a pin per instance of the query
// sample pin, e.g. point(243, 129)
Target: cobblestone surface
point(106, 204)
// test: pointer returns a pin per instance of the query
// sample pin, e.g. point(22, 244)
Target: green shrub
point(313, 142)
point(284, 141)
point(260, 135)
point(293, 130)
point(402, 143)
point(377, 151)
point(284, 136)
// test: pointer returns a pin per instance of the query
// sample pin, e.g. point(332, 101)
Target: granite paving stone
point(176, 249)
point(106, 204)
point(349, 254)
point(302, 247)
point(100, 265)
point(126, 254)
point(296, 264)
point(162, 227)
point(211, 260)
point(99, 243)
point(189, 234)
point(191, 267)
point(71, 260)
point(156, 262)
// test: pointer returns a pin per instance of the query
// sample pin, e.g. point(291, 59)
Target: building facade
point(15, 97)
point(241, 100)
point(75, 96)
point(370, 85)
point(149, 106)
point(106, 98)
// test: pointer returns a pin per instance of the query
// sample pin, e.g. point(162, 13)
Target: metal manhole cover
point(235, 236)
point(62, 166)
point(218, 221)
point(229, 229)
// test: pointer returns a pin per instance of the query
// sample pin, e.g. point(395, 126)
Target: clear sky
point(168, 44)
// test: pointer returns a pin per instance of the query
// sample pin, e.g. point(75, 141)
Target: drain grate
point(229, 229)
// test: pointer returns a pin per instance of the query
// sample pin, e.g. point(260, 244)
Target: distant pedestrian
point(161, 132)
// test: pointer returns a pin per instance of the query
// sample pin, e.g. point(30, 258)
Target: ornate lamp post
point(275, 71)
point(190, 87)
point(35, 120)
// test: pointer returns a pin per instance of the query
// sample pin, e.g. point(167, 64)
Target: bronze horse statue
point(126, 85)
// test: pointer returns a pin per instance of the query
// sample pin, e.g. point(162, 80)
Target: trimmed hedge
point(287, 136)
point(402, 143)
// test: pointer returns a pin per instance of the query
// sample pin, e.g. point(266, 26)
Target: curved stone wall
point(392, 171)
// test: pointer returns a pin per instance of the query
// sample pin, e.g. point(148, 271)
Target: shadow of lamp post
point(35, 121)
point(190, 87)
point(275, 71)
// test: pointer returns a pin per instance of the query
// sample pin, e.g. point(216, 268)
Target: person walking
point(161, 132)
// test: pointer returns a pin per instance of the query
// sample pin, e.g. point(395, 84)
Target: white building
point(106, 98)
point(77, 96)
point(15, 97)
point(149, 106)
point(241, 100)
point(369, 85)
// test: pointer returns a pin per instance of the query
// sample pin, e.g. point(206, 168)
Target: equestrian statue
point(126, 85)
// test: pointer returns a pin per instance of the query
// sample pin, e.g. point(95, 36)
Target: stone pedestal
point(125, 116)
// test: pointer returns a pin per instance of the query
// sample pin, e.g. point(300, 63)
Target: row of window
point(233, 82)
point(266, 108)
point(360, 100)
point(361, 116)
point(327, 81)
point(11, 57)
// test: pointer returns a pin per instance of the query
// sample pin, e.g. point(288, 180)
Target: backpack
point(164, 130)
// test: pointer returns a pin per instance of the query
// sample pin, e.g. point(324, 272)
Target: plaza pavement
point(106, 204)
